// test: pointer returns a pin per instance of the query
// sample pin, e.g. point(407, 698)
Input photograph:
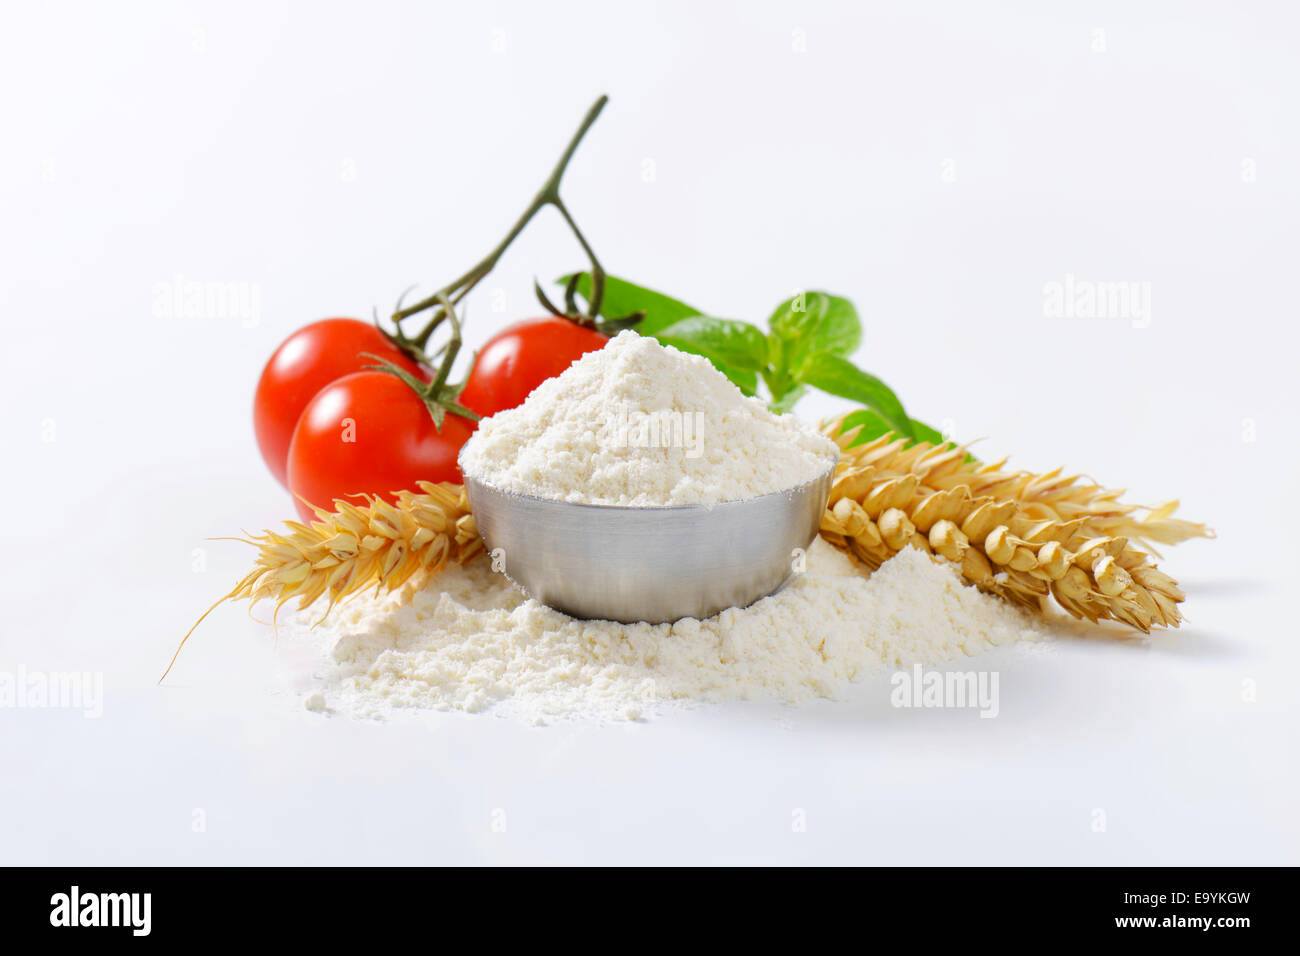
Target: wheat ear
point(1016, 534)
point(355, 546)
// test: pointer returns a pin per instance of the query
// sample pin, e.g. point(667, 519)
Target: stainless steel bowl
point(648, 564)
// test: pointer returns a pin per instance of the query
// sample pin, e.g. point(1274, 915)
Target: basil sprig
point(807, 344)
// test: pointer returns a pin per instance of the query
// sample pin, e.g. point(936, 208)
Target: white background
point(333, 154)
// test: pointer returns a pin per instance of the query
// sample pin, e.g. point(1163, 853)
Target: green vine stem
point(438, 396)
point(548, 195)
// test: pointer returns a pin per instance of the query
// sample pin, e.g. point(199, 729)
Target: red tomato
point(306, 362)
point(522, 356)
point(370, 433)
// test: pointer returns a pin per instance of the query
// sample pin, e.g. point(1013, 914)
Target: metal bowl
point(648, 564)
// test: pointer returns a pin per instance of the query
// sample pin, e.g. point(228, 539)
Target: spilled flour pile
point(470, 641)
point(642, 424)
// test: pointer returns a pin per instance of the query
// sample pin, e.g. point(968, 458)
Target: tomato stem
point(597, 273)
point(438, 397)
point(548, 195)
point(452, 349)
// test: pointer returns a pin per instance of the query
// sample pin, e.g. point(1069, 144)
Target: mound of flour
point(470, 641)
point(643, 424)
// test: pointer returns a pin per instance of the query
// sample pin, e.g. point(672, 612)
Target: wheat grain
point(1050, 495)
point(346, 550)
point(1021, 535)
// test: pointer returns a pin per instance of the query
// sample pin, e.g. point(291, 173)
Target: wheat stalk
point(347, 550)
point(1017, 534)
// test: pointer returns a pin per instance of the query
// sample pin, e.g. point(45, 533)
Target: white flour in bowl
point(470, 641)
point(642, 424)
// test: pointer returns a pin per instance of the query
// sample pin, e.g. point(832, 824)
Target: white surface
point(335, 157)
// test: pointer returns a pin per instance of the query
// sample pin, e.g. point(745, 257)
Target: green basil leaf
point(839, 376)
point(736, 349)
point(788, 400)
point(873, 426)
point(743, 379)
point(923, 432)
point(778, 376)
point(622, 298)
point(816, 322)
point(725, 341)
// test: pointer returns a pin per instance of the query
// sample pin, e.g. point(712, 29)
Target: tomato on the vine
point(520, 357)
point(307, 361)
point(370, 432)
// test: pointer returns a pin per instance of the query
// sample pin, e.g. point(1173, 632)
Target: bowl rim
point(691, 508)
